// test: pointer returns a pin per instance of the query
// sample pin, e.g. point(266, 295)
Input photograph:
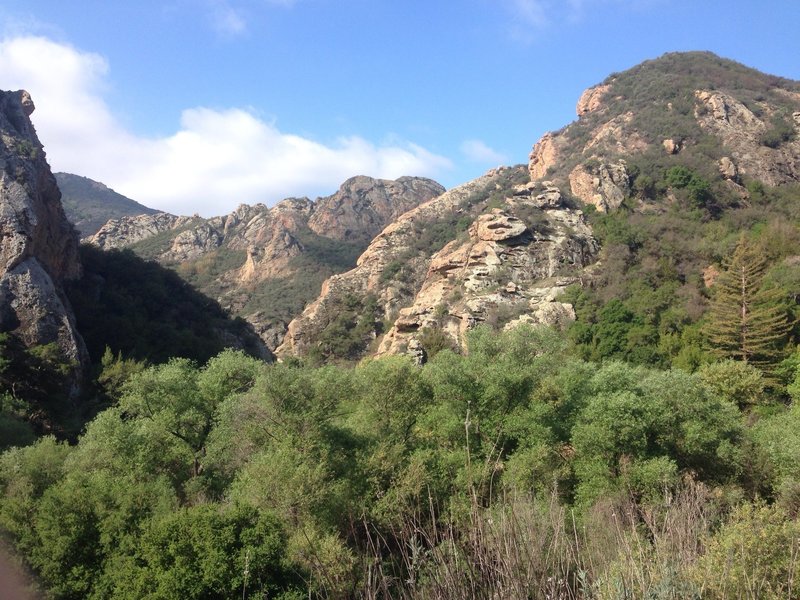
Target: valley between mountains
point(572, 378)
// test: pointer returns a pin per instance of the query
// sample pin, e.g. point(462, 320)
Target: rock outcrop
point(505, 273)
point(38, 246)
point(751, 119)
point(512, 260)
point(742, 133)
point(393, 248)
point(125, 231)
point(544, 155)
point(591, 99)
point(604, 186)
point(363, 206)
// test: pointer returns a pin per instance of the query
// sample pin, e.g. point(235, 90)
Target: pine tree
point(747, 321)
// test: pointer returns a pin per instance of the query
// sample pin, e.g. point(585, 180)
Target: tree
point(747, 321)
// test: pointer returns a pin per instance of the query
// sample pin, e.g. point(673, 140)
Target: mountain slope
point(671, 162)
point(89, 204)
point(265, 264)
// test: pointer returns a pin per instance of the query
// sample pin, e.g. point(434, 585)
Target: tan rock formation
point(501, 270)
point(591, 99)
point(741, 132)
point(671, 146)
point(617, 137)
point(543, 156)
point(119, 233)
point(393, 246)
point(727, 168)
point(364, 206)
point(495, 277)
point(604, 186)
point(259, 245)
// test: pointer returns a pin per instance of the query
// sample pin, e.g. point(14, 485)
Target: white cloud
point(225, 18)
point(532, 12)
point(478, 152)
point(529, 16)
point(215, 160)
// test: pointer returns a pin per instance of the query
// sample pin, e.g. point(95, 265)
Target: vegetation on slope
point(146, 312)
point(89, 204)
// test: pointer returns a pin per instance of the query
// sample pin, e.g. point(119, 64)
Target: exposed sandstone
point(616, 136)
point(364, 206)
point(498, 226)
point(260, 244)
point(741, 133)
point(491, 278)
point(394, 245)
point(727, 168)
point(591, 99)
point(604, 186)
point(544, 155)
point(125, 231)
point(671, 146)
point(502, 269)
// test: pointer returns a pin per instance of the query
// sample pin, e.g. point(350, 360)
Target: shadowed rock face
point(38, 246)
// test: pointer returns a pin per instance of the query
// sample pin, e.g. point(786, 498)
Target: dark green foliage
point(147, 312)
point(240, 478)
point(698, 190)
point(206, 552)
point(434, 340)
point(353, 324)
point(35, 386)
point(653, 263)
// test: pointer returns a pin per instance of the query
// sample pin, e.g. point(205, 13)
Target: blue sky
point(200, 105)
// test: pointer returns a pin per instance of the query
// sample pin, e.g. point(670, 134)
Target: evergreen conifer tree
point(746, 320)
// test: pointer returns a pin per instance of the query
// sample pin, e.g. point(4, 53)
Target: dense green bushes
point(513, 469)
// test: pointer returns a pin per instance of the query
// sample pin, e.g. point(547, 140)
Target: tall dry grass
point(523, 547)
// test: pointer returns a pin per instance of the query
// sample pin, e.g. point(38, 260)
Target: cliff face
point(507, 271)
point(38, 246)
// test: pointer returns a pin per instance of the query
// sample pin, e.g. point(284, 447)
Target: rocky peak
point(125, 231)
point(363, 206)
point(680, 109)
point(242, 257)
point(38, 246)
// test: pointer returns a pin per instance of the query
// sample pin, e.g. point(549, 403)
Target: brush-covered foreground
point(514, 471)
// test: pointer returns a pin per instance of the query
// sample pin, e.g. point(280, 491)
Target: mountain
point(726, 121)
point(61, 305)
point(490, 250)
point(89, 204)
point(630, 207)
point(265, 264)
